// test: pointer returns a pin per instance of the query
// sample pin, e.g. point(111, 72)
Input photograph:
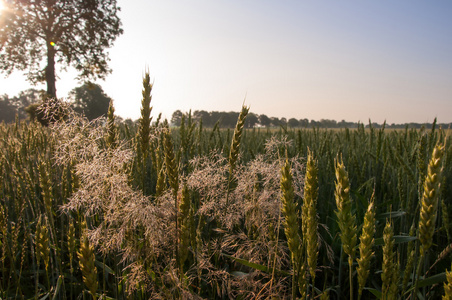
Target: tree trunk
point(50, 71)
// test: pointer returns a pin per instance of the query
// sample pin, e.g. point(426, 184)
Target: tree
point(18, 105)
point(327, 123)
point(203, 115)
point(90, 100)
point(176, 118)
point(7, 109)
point(264, 120)
point(71, 32)
point(293, 122)
point(304, 122)
point(274, 121)
point(251, 120)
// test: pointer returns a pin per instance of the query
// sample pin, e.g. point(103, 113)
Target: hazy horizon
point(295, 59)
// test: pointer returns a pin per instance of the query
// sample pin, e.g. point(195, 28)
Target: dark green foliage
point(90, 100)
point(24, 105)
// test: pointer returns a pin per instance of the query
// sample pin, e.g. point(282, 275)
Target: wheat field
point(105, 210)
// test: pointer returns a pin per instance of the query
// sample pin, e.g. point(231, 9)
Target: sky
point(341, 60)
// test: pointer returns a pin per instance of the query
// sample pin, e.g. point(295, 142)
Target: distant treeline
point(90, 100)
point(229, 119)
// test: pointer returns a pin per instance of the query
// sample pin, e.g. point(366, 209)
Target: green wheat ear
point(86, 258)
point(390, 267)
point(235, 144)
point(289, 211)
point(42, 243)
point(145, 120)
point(171, 163)
point(365, 247)
point(112, 134)
point(448, 286)
point(429, 202)
point(346, 220)
point(309, 214)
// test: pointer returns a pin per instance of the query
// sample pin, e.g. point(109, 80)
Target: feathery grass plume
point(184, 231)
point(145, 120)
point(289, 211)
point(388, 266)
point(448, 286)
point(173, 179)
point(429, 202)
point(86, 258)
point(112, 132)
point(309, 213)
point(365, 247)
point(346, 220)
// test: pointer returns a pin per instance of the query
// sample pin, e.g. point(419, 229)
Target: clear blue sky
point(352, 60)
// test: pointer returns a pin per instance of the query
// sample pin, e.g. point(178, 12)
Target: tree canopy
point(10, 107)
point(90, 100)
point(37, 34)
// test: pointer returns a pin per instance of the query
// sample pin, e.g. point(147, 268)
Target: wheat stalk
point(112, 134)
point(289, 211)
point(309, 214)
point(411, 254)
point(42, 244)
point(145, 120)
point(346, 220)
point(86, 258)
point(46, 188)
point(429, 202)
point(171, 163)
point(160, 185)
point(42, 250)
point(71, 247)
point(71, 241)
point(448, 286)
point(389, 266)
point(365, 247)
point(235, 144)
